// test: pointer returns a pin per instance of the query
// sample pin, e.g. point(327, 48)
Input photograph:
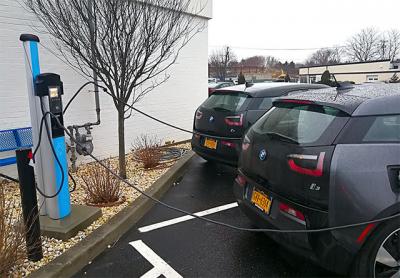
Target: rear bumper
point(322, 248)
point(223, 154)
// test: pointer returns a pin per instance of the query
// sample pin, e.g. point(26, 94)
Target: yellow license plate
point(210, 143)
point(261, 200)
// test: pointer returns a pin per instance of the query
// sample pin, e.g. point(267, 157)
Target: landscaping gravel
point(53, 248)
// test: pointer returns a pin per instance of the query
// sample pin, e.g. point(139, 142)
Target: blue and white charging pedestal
point(58, 218)
point(51, 167)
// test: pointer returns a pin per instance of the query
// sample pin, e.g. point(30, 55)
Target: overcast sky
point(295, 24)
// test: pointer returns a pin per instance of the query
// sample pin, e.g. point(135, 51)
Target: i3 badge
point(262, 155)
point(211, 119)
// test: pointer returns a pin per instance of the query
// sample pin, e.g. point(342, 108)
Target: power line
point(279, 49)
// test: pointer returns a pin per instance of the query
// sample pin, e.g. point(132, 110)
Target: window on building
point(372, 78)
point(313, 79)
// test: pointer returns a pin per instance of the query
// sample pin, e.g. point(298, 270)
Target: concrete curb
point(78, 256)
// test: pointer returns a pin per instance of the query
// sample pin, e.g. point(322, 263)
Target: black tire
point(364, 264)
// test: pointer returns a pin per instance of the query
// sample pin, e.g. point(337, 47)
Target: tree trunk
point(121, 142)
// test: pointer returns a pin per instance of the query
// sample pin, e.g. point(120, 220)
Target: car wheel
point(380, 256)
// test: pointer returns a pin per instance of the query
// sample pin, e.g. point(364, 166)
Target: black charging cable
point(329, 229)
point(43, 120)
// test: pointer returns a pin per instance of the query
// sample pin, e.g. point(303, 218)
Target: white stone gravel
point(53, 248)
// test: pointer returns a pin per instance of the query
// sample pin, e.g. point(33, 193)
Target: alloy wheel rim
point(387, 259)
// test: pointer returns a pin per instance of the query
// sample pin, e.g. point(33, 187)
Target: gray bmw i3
point(229, 112)
point(325, 160)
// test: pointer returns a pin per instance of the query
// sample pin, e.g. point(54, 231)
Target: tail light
point(228, 144)
point(296, 101)
point(210, 91)
point(289, 211)
point(315, 172)
point(199, 115)
point(234, 120)
point(240, 180)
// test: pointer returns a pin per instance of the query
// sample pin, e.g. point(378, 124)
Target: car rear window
point(301, 124)
point(226, 101)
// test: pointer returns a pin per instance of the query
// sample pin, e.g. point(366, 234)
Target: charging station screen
point(53, 92)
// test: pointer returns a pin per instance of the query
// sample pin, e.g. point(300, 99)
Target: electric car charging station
point(45, 90)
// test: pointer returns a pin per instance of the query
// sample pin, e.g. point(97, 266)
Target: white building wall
point(174, 101)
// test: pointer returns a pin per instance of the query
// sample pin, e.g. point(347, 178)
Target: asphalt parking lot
point(166, 244)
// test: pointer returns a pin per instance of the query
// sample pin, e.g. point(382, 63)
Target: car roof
point(213, 85)
point(358, 100)
point(275, 89)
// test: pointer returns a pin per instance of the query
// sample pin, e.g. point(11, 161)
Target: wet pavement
point(193, 248)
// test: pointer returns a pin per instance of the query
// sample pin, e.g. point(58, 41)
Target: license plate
point(261, 200)
point(210, 143)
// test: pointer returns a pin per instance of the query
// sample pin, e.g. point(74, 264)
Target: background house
point(174, 101)
point(358, 72)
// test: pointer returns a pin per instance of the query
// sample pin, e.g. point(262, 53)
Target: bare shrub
point(146, 150)
point(101, 187)
point(12, 235)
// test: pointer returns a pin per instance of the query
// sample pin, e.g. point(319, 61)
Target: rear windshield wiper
point(282, 137)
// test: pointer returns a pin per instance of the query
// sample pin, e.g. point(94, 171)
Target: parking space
point(166, 243)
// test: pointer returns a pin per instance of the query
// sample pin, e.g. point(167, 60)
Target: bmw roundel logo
point(211, 119)
point(262, 155)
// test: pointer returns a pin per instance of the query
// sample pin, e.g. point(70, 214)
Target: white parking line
point(186, 218)
point(160, 266)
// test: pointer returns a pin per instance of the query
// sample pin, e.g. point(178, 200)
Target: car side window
point(384, 129)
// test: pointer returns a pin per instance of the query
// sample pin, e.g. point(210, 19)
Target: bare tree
point(254, 61)
point(389, 44)
point(129, 44)
point(271, 62)
point(363, 46)
point(220, 61)
point(325, 56)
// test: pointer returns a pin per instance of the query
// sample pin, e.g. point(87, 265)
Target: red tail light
point(234, 120)
point(228, 144)
point(296, 101)
point(199, 115)
point(317, 172)
point(293, 212)
point(240, 180)
point(210, 91)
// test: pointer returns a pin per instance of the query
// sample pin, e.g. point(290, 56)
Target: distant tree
point(364, 46)
point(325, 56)
point(220, 61)
point(394, 79)
point(389, 44)
point(254, 61)
point(271, 62)
point(241, 78)
point(326, 79)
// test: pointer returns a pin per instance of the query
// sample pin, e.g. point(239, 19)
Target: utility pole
point(383, 48)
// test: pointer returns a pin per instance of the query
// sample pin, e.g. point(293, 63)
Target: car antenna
point(341, 87)
point(247, 85)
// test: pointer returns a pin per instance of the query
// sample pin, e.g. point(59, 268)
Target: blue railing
point(13, 139)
